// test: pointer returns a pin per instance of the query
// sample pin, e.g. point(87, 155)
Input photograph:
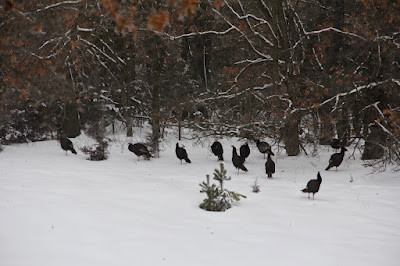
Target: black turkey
point(140, 150)
point(269, 165)
point(237, 160)
point(336, 144)
point(66, 145)
point(217, 149)
point(313, 186)
point(336, 159)
point(181, 153)
point(244, 151)
point(263, 146)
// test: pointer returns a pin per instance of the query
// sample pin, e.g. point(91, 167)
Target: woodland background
point(300, 72)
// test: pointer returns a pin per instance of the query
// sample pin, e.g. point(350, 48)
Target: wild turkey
point(269, 165)
point(181, 153)
point(313, 186)
point(66, 145)
point(336, 144)
point(244, 151)
point(336, 159)
point(237, 160)
point(140, 150)
point(218, 150)
point(263, 146)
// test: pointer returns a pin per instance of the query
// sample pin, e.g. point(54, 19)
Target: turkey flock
point(238, 160)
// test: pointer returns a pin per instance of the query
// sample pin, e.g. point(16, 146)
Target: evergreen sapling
point(218, 198)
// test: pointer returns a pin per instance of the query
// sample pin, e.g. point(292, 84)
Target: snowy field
point(59, 210)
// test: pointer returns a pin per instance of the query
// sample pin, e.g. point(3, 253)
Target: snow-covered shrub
point(97, 152)
point(23, 125)
point(218, 198)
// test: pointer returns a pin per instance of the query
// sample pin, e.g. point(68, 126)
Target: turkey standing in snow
point(244, 151)
point(336, 159)
point(140, 150)
point(269, 165)
point(313, 186)
point(217, 149)
point(263, 146)
point(66, 145)
point(237, 160)
point(181, 153)
point(336, 144)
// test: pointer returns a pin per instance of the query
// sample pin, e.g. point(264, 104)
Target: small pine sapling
point(256, 187)
point(218, 198)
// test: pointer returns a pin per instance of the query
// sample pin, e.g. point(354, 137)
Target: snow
point(66, 210)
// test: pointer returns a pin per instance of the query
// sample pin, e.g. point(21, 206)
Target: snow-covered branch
point(199, 33)
point(96, 48)
point(356, 90)
point(79, 28)
point(59, 4)
point(336, 30)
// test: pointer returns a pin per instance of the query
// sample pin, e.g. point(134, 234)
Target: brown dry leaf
point(8, 6)
point(217, 4)
point(190, 6)
point(133, 11)
point(37, 29)
point(172, 3)
point(74, 44)
point(157, 22)
point(134, 32)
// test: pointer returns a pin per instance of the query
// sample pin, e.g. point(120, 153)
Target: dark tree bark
point(157, 56)
point(333, 52)
point(155, 118)
point(326, 134)
point(71, 125)
point(290, 135)
point(343, 126)
point(372, 149)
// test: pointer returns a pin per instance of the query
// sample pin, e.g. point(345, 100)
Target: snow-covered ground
point(61, 210)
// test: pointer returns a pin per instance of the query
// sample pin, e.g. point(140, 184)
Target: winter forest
point(307, 76)
point(300, 72)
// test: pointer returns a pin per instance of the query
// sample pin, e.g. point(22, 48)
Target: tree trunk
point(375, 137)
point(333, 51)
point(326, 134)
point(157, 56)
point(290, 135)
point(126, 94)
point(372, 149)
point(357, 119)
point(343, 126)
point(155, 118)
point(290, 130)
point(71, 126)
